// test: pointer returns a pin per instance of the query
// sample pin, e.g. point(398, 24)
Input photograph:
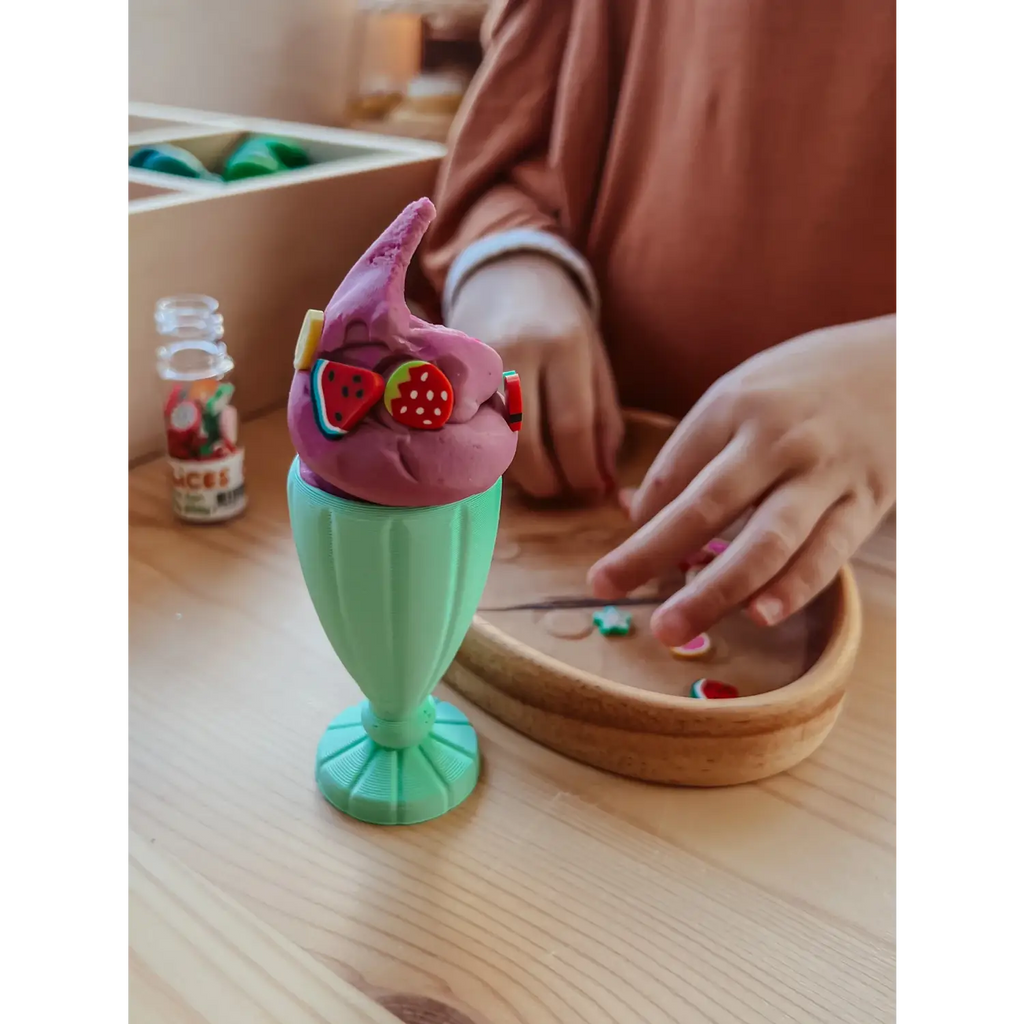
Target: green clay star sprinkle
point(611, 622)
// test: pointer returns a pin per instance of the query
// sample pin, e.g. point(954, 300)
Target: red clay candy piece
point(712, 689)
point(716, 547)
point(174, 399)
point(419, 395)
point(342, 395)
point(184, 430)
point(513, 399)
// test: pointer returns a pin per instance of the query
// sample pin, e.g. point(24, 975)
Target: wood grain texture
point(195, 954)
point(557, 893)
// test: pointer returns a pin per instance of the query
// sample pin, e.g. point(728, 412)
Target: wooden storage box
point(266, 248)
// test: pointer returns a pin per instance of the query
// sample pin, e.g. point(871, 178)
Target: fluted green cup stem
point(405, 732)
point(395, 590)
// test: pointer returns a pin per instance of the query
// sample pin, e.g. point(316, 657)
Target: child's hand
point(804, 436)
point(529, 309)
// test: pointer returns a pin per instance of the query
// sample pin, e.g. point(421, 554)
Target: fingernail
point(768, 610)
point(601, 586)
point(626, 496)
point(671, 629)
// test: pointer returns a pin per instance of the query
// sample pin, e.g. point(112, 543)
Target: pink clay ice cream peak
point(368, 324)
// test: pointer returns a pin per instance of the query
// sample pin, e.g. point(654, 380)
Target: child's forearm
point(519, 174)
point(520, 240)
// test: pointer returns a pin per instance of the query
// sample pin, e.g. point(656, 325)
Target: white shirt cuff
point(491, 247)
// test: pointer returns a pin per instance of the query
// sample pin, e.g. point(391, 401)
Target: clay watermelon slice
point(342, 395)
point(711, 689)
point(419, 395)
point(698, 647)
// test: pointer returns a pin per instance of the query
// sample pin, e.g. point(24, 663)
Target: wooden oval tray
point(621, 703)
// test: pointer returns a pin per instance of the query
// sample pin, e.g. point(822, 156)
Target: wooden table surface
point(556, 893)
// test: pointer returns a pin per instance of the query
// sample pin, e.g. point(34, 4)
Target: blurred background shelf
point(431, 128)
point(268, 248)
point(424, 105)
point(467, 9)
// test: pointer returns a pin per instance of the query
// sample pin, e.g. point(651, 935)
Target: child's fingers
point(693, 445)
point(571, 412)
point(842, 530)
point(625, 498)
point(718, 495)
point(532, 469)
point(777, 530)
point(610, 426)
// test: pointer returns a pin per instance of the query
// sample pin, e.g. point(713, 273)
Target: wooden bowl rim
point(823, 678)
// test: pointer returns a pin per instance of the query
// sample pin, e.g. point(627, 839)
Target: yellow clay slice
point(309, 338)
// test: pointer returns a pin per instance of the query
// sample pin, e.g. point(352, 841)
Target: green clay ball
point(168, 159)
point(264, 154)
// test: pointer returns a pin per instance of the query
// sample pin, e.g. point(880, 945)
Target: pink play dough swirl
point(368, 324)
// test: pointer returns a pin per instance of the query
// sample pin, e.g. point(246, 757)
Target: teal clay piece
point(168, 159)
point(264, 154)
point(395, 590)
point(611, 622)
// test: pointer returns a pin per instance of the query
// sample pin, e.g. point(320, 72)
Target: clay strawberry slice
point(711, 689)
point(513, 399)
point(419, 395)
point(342, 395)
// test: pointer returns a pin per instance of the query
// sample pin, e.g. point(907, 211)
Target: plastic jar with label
point(200, 419)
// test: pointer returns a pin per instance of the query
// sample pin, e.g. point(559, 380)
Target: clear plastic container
point(200, 419)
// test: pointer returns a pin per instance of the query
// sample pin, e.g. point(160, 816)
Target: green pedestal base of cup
point(395, 590)
point(389, 786)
